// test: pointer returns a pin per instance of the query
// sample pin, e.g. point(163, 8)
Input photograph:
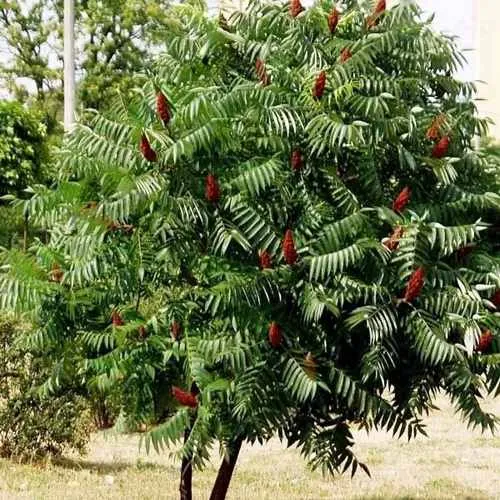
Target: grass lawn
point(452, 463)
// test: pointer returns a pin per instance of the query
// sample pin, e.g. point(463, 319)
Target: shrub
point(32, 426)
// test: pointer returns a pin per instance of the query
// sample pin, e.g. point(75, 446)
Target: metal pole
point(69, 64)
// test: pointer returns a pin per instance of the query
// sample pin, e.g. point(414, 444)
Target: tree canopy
point(113, 40)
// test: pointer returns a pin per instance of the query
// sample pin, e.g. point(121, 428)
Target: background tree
point(114, 38)
point(31, 66)
point(285, 230)
point(24, 160)
point(23, 148)
point(119, 38)
point(27, 34)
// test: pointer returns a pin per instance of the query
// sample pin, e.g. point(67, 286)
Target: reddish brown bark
point(186, 482)
point(225, 473)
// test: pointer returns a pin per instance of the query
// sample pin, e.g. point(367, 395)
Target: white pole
point(69, 64)
point(477, 63)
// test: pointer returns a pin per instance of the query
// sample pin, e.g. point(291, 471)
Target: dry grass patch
point(453, 463)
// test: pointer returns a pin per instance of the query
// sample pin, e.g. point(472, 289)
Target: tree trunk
point(225, 473)
point(186, 482)
point(186, 485)
point(25, 233)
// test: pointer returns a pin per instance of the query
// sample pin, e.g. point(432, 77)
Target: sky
point(456, 17)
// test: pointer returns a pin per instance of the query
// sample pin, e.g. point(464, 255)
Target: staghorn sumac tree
point(276, 235)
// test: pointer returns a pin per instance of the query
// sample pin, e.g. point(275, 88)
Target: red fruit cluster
point(393, 242)
point(260, 69)
point(56, 274)
point(380, 7)
point(116, 319)
point(415, 285)
point(399, 204)
point(143, 333)
point(377, 12)
point(485, 341)
point(310, 365)
point(175, 330)
point(162, 108)
point(295, 8)
point(296, 160)
point(212, 189)
point(495, 299)
point(147, 151)
point(274, 335)
point(333, 20)
point(289, 252)
point(184, 398)
point(345, 55)
point(265, 260)
point(441, 148)
point(434, 131)
point(371, 21)
point(319, 85)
